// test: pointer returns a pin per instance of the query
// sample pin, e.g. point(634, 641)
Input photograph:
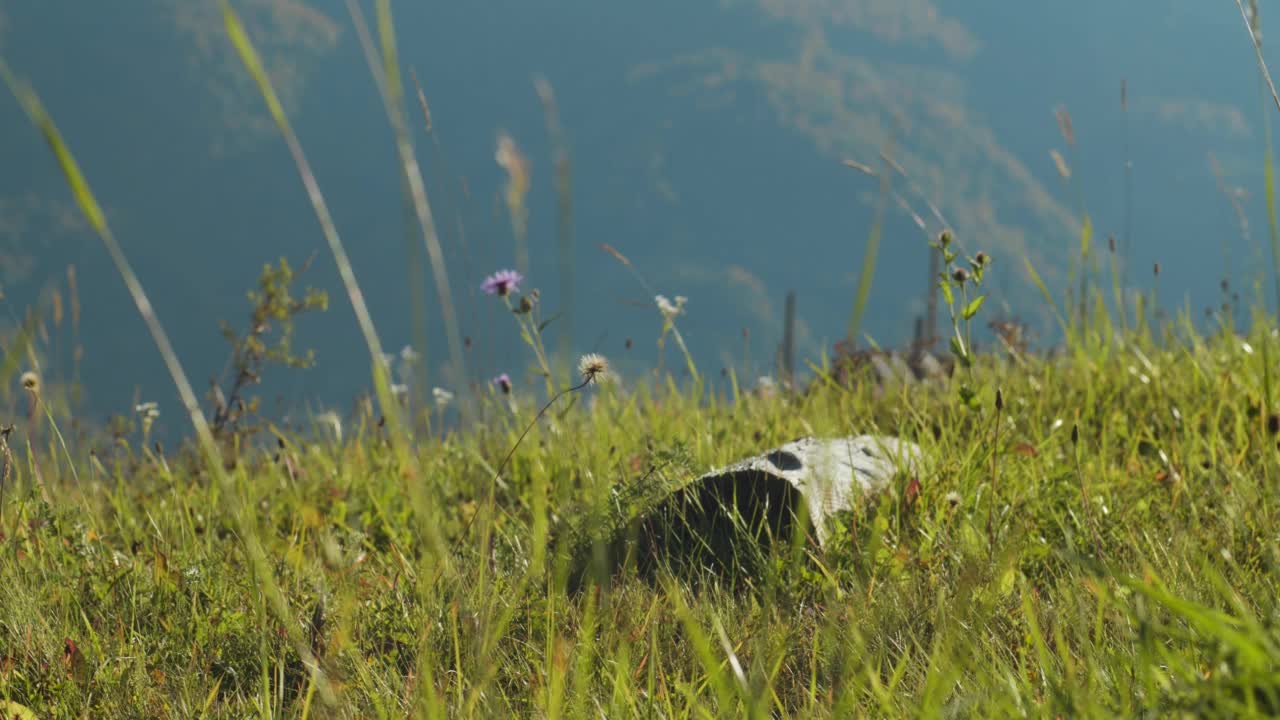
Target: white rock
point(831, 473)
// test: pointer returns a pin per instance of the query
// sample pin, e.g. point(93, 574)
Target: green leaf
point(70, 168)
point(946, 292)
point(1086, 235)
point(957, 348)
point(974, 305)
point(1048, 297)
point(253, 63)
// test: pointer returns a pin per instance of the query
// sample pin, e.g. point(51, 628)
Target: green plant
point(267, 341)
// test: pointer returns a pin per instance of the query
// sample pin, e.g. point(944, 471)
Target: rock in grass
point(829, 474)
point(722, 521)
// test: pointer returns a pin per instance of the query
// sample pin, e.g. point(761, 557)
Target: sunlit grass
point(1092, 535)
point(1155, 597)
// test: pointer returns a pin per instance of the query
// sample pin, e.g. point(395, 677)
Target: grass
point(1092, 535)
point(127, 595)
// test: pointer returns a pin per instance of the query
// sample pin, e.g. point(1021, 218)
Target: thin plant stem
point(995, 453)
point(387, 78)
point(1266, 75)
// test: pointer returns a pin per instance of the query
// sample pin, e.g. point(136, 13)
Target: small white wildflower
point(31, 381)
point(399, 389)
point(593, 368)
point(148, 410)
point(408, 355)
point(442, 397)
point(669, 309)
point(953, 498)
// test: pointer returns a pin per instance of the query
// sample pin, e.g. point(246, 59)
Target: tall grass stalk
point(88, 204)
point(1269, 165)
point(1126, 241)
point(862, 292)
point(564, 214)
point(391, 89)
point(436, 559)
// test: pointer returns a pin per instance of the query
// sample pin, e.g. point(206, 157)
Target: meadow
point(1092, 533)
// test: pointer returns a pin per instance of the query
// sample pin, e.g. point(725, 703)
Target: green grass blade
point(388, 80)
point(92, 211)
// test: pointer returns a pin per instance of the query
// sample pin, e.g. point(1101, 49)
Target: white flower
point(593, 368)
point(442, 397)
point(408, 355)
point(669, 309)
point(147, 410)
point(953, 498)
point(399, 389)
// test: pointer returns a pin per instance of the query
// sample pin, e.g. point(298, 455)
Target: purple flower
point(503, 282)
point(503, 382)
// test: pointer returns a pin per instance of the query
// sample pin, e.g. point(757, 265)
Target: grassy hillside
point(1103, 545)
point(1092, 531)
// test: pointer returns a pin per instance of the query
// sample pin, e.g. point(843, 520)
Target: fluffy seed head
point(593, 368)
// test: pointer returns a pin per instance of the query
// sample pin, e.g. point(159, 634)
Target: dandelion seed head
point(593, 368)
point(31, 381)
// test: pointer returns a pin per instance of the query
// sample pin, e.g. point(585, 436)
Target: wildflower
point(408, 355)
point(502, 283)
point(953, 498)
point(766, 385)
point(668, 309)
point(981, 259)
point(593, 368)
point(961, 275)
point(503, 382)
point(399, 390)
point(442, 397)
point(148, 410)
point(944, 238)
point(31, 381)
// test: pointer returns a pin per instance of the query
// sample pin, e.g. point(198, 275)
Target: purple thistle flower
point(503, 282)
point(503, 382)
